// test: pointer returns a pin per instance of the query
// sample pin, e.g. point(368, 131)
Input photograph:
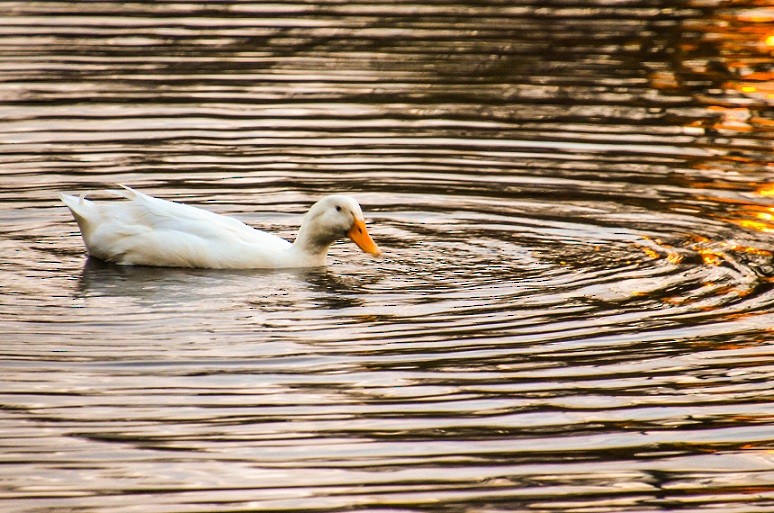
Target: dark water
point(575, 309)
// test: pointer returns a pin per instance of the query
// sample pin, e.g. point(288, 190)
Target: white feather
point(150, 231)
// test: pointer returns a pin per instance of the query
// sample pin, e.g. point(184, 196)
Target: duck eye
point(338, 208)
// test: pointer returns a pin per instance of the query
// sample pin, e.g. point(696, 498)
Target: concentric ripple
point(574, 311)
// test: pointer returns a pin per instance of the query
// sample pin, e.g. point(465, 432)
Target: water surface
point(574, 312)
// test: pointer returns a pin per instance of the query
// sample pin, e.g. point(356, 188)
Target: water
point(574, 312)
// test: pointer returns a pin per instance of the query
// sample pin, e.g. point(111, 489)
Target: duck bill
point(359, 236)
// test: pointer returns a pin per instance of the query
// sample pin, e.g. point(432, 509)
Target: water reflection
point(732, 48)
point(575, 315)
point(756, 214)
point(186, 287)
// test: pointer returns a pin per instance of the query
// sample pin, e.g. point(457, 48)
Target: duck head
point(333, 218)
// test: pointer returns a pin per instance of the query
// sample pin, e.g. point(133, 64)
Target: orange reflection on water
point(732, 118)
point(754, 216)
point(733, 50)
point(766, 190)
point(760, 84)
point(710, 256)
point(655, 247)
point(763, 223)
point(711, 253)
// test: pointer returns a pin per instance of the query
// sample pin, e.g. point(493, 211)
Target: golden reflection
point(710, 257)
point(732, 118)
point(748, 47)
point(732, 50)
point(739, 248)
point(712, 254)
point(766, 190)
point(655, 247)
point(763, 86)
point(755, 216)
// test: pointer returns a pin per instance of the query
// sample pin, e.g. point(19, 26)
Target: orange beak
point(359, 236)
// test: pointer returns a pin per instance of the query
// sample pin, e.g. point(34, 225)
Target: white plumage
point(150, 231)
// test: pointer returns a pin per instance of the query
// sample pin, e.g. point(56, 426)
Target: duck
point(149, 231)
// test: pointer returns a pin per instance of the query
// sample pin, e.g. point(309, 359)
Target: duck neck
point(311, 246)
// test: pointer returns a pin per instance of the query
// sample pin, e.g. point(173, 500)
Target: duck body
point(150, 231)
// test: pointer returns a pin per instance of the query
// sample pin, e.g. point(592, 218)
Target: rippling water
point(574, 313)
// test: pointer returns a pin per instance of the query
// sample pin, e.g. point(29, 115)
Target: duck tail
point(79, 206)
point(125, 192)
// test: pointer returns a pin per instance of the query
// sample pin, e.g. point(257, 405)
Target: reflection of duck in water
point(151, 231)
point(158, 287)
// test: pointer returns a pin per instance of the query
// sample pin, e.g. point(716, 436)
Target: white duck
point(151, 231)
